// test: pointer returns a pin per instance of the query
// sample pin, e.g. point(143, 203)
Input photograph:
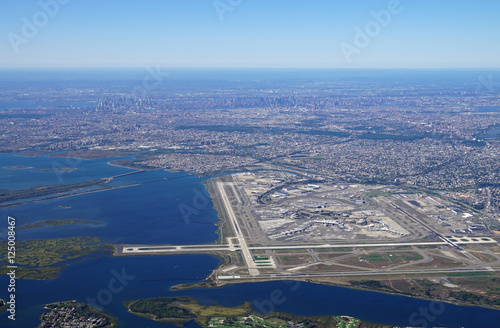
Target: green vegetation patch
point(252, 321)
point(179, 310)
point(376, 257)
point(372, 284)
point(55, 223)
point(472, 298)
point(346, 322)
point(44, 259)
point(162, 308)
point(396, 258)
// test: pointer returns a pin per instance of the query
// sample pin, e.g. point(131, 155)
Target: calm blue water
point(492, 133)
point(149, 214)
point(51, 170)
point(489, 109)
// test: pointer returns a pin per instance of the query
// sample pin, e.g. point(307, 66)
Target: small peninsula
point(44, 259)
point(74, 314)
point(56, 223)
point(180, 310)
point(17, 167)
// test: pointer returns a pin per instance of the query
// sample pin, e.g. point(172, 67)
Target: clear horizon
point(5, 68)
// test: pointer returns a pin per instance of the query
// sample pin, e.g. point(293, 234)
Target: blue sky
point(250, 33)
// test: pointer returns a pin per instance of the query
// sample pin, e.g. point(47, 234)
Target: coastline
point(90, 154)
point(180, 310)
point(118, 165)
point(80, 310)
point(209, 282)
point(227, 260)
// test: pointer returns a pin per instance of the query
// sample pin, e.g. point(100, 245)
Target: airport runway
point(169, 249)
point(239, 243)
point(356, 273)
point(247, 256)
